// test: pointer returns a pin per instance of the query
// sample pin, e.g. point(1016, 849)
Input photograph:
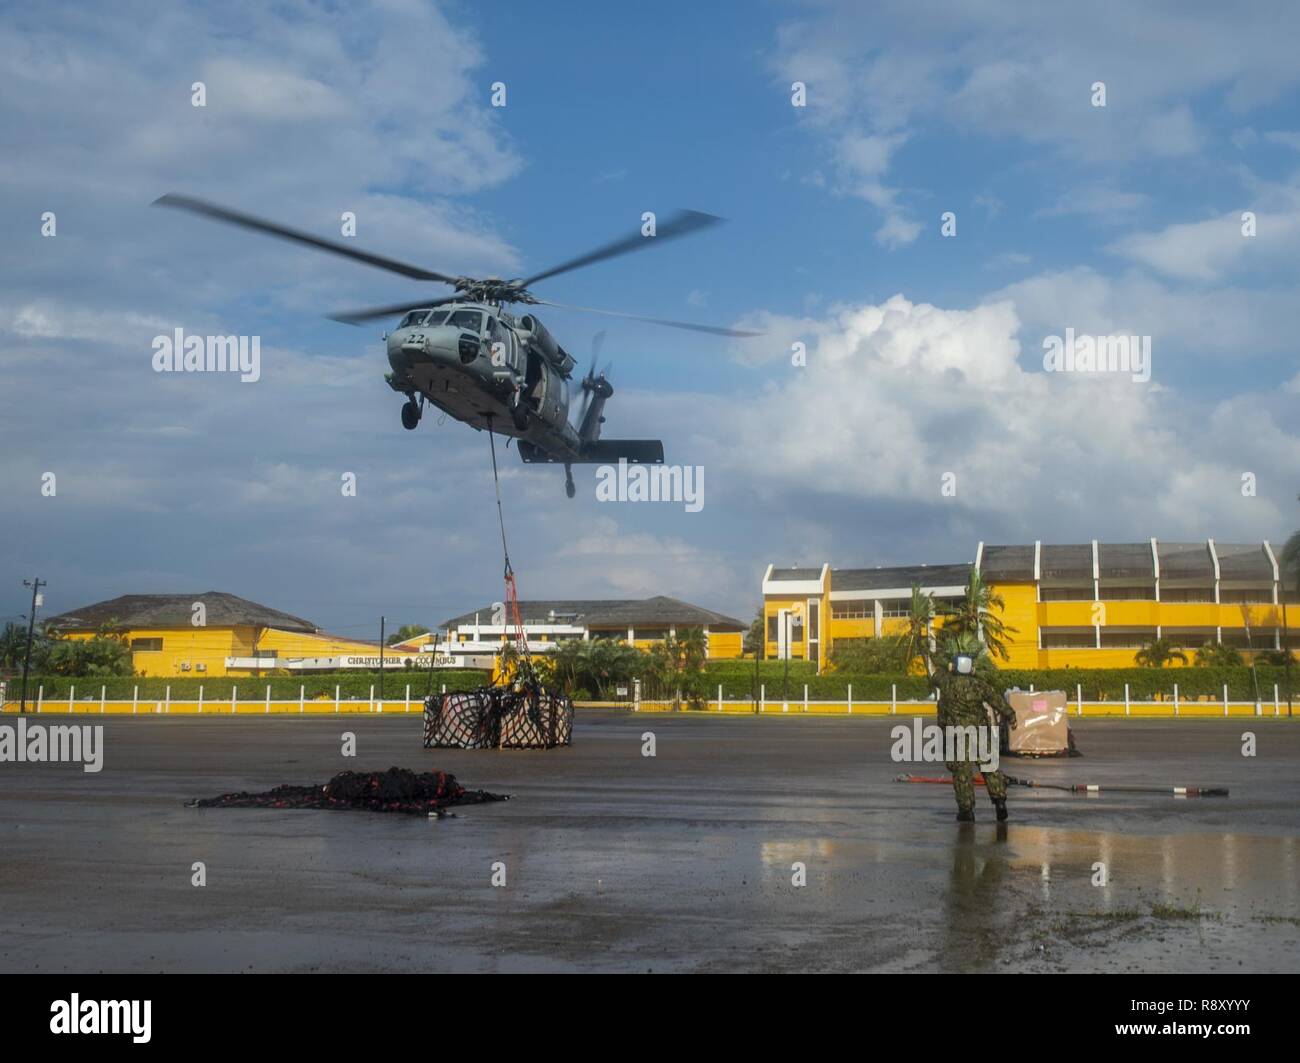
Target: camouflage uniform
point(961, 704)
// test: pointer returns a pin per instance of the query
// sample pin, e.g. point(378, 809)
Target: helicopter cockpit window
point(436, 317)
point(415, 317)
point(469, 320)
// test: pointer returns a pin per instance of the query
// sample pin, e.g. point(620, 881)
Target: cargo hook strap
point(512, 595)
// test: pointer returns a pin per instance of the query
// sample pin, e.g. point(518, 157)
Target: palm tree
point(1159, 652)
point(974, 615)
point(916, 639)
point(13, 646)
point(1217, 655)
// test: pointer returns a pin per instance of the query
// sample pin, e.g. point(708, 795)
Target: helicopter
point(472, 356)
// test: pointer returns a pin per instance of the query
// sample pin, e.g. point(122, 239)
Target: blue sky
point(925, 352)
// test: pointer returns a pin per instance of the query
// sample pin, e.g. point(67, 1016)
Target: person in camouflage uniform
point(962, 701)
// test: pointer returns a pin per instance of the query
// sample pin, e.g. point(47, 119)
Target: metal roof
point(1126, 561)
point(869, 579)
point(611, 612)
point(1066, 562)
point(1244, 561)
point(1185, 561)
point(1007, 563)
point(177, 610)
point(795, 573)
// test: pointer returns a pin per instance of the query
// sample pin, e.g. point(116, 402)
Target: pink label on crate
point(1040, 704)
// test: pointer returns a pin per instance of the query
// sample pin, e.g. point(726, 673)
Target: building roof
point(1071, 561)
point(870, 579)
point(1007, 563)
point(1244, 561)
point(1126, 561)
point(1185, 561)
point(177, 610)
point(659, 611)
point(795, 573)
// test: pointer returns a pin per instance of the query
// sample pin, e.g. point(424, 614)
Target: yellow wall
point(1020, 611)
point(772, 606)
point(210, 646)
point(1023, 611)
point(725, 645)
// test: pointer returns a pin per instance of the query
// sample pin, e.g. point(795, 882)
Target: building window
point(896, 607)
point(1139, 593)
point(1256, 595)
point(773, 629)
point(1084, 638)
point(860, 609)
point(1126, 640)
point(1187, 594)
point(146, 645)
point(1079, 592)
point(1261, 638)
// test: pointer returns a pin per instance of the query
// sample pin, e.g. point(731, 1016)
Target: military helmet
point(964, 651)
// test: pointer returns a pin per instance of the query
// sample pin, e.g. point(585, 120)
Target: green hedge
point(1098, 683)
point(283, 688)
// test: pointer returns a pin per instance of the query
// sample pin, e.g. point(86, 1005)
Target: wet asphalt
point(686, 860)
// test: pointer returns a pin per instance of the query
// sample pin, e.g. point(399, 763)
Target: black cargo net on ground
point(498, 718)
point(395, 790)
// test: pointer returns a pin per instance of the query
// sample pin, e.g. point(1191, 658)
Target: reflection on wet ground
point(687, 860)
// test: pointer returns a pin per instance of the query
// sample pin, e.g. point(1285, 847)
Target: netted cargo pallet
point(498, 718)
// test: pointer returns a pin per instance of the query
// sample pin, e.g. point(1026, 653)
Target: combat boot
point(1000, 806)
point(966, 815)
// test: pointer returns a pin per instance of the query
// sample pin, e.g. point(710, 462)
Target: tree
point(756, 637)
point(106, 653)
point(882, 656)
point(13, 646)
point(1159, 652)
point(594, 665)
point(974, 615)
point(1217, 655)
point(920, 619)
point(677, 665)
point(406, 631)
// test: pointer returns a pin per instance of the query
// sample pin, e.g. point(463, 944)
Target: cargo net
point(498, 718)
point(428, 793)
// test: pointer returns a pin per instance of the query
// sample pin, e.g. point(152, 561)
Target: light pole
point(35, 584)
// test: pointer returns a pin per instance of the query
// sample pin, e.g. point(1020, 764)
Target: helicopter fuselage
point(478, 364)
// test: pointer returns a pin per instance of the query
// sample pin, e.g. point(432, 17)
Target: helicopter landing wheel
point(569, 488)
point(410, 415)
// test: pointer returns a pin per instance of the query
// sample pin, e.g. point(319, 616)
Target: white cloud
point(894, 395)
point(1208, 250)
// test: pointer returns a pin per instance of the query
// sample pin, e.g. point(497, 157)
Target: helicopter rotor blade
point(597, 342)
point(357, 317)
point(681, 223)
point(248, 221)
point(714, 329)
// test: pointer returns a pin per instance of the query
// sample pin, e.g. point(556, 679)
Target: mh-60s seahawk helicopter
point(472, 357)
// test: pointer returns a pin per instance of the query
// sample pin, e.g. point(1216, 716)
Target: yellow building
point(1086, 605)
point(213, 634)
point(640, 622)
